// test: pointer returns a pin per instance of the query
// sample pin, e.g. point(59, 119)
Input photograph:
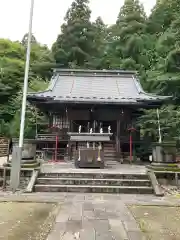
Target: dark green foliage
point(169, 116)
point(12, 64)
point(74, 46)
point(128, 38)
point(163, 14)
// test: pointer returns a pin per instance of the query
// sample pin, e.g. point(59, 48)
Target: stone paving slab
point(118, 229)
point(135, 235)
point(87, 233)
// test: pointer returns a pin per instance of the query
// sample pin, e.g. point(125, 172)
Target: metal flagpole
point(26, 76)
point(159, 126)
point(17, 150)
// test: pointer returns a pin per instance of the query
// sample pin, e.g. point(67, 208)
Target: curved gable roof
point(88, 86)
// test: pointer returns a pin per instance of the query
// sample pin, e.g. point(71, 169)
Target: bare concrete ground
point(158, 222)
point(30, 221)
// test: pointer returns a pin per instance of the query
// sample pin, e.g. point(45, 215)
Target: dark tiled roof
point(89, 86)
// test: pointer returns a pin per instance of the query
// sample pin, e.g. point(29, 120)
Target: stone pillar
point(157, 154)
point(15, 168)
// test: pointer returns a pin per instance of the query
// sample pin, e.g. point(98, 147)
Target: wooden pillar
point(69, 130)
point(69, 150)
point(118, 145)
point(51, 119)
point(94, 126)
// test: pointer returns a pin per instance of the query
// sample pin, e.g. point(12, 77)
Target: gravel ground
point(30, 221)
point(158, 222)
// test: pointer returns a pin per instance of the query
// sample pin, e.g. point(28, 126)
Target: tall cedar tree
point(165, 75)
point(75, 45)
point(100, 41)
point(128, 42)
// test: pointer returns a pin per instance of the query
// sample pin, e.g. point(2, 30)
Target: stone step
point(93, 189)
point(93, 175)
point(110, 154)
point(109, 150)
point(110, 157)
point(87, 181)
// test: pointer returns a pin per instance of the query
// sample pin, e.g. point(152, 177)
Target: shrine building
point(96, 101)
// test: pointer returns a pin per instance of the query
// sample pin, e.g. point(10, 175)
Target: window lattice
point(60, 121)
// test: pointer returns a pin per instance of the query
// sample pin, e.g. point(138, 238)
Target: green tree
point(12, 63)
point(11, 72)
point(128, 38)
point(96, 60)
point(42, 61)
point(163, 14)
point(11, 128)
point(75, 44)
point(169, 116)
point(164, 77)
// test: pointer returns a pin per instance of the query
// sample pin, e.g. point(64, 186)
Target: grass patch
point(163, 169)
point(158, 222)
point(26, 221)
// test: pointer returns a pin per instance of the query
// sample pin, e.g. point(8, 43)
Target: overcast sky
point(48, 16)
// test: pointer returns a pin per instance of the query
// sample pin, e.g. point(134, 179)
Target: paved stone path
point(93, 216)
point(101, 216)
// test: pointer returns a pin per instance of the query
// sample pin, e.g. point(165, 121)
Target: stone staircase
point(93, 182)
point(109, 152)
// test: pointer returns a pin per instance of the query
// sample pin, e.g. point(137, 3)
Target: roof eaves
point(37, 93)
point(137, 84)
point(53, 81)
point(94, 102)
point(49, 89)
point(141, 91)
point(150, 95)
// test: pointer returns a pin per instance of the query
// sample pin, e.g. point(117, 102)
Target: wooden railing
point(51, 136)
point(47, 133)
